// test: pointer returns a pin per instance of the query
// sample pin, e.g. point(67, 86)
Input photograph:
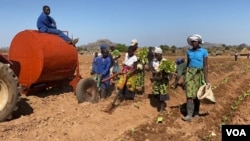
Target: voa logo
point(236, 132)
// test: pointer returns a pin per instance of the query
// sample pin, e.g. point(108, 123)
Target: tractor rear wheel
point(86, 90)
point(9, 92)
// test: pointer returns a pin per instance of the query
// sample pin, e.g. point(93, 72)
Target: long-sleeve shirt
point(103, 66)
point(44, 22)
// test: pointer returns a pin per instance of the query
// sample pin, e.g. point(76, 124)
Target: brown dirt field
point(55, 114)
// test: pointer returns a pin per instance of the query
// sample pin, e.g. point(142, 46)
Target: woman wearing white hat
point(196, 76)
point(160, 81)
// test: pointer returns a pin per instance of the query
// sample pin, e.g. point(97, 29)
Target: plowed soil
point(56, 115)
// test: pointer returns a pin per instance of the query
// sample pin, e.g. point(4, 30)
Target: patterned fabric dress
point(127, 81)
point(140, 75)
point(160, 83)
point(194, 79)
point(140, 80)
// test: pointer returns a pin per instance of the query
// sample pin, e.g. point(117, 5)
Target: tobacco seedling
point(159, 119)
point(233, 107)
point(170, 113)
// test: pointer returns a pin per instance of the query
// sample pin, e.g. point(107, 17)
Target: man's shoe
point(75, 41)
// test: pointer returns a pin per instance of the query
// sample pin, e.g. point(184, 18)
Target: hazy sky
point(151, 22)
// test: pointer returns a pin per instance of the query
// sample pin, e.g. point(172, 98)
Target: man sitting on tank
point(47, 24)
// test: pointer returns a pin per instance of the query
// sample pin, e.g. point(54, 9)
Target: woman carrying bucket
point(196, 75)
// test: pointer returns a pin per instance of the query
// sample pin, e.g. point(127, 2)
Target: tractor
point(38, 61)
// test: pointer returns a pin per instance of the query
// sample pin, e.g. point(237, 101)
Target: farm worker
point(150, 58)
point(94, 63)
point(196, 75)
point(47, 24)
point(126, 83)
point(235, 56)
point(180, 70)
point(104, 47)
point(160, 81)
point(134, 43)
point(116, 55)
point(140, 75)
point(103, 71)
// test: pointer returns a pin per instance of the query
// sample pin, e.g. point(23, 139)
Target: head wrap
point(194, 37)
point(158, 50)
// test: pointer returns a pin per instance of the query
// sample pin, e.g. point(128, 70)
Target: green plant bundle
point(115, 53)
point(167, 66)
point(142, 55)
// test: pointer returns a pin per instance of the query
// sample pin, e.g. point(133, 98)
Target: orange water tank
point(41, 58)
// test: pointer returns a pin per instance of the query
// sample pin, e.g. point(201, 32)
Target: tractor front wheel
point(9, 92)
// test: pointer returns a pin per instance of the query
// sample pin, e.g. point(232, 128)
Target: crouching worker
point(102, 71)
point(160, 81)
point(126, 83)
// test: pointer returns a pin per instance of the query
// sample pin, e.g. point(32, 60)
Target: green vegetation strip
point(234, 107)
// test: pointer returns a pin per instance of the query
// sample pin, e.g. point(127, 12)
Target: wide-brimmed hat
point(194, 37)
